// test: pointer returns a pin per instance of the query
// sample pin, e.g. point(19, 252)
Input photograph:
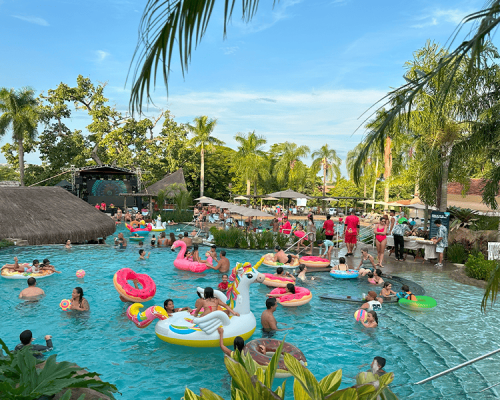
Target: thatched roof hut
point(176, 177)
point(47, 215)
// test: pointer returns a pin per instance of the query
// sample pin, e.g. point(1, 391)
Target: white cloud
point(230, 50)
point(101, 55)
point(438, 16)
point(265, 19)
point(32, 20)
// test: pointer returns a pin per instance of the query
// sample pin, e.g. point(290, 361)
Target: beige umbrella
point(241, 198)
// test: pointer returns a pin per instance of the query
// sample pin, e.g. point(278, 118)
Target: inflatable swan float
point(188, 265)
point(185, 330)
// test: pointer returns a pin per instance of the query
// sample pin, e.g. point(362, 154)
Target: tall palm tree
point(19, 114)
point(250, 157)
point(201, 130)
point(289, 167)
point(327, 158)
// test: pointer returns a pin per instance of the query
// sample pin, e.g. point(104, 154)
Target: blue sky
point(304, 71)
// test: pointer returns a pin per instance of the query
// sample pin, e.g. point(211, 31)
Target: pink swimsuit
point(380, 238)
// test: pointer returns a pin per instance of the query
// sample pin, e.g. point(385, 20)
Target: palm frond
point(491, 290)
point(164, 24)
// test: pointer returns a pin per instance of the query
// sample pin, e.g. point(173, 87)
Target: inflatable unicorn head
point(238, 294)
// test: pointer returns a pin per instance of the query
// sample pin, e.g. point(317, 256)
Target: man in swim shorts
point(281, 272)
point(267, 318)
point(351, 232)
point(31, 290)
point(372, 302)
point(19, 268)
point(377, 364)
point(283, 258)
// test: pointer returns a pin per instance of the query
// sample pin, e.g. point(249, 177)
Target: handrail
point(458, 366)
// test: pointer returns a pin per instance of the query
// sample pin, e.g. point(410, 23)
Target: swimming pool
point(416, 345)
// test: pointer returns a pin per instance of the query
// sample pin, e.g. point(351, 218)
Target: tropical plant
point(478, 268)
point(327, 158)
point(462, 217)
point(18, 110)
point(249, 381)
point(250, 161)
point(202, 139)
point(5, 243)
point(456, 253)
point(282, 240)
point(289, 169)
point(160, 199)
point(21, 379)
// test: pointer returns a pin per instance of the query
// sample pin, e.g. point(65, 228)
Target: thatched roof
point(176, 177)
point(47, 215)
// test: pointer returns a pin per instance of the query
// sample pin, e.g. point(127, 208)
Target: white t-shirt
point(374, 305)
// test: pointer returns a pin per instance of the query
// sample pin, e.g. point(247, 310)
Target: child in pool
point(387, 290)
point(371, 320)
point(371, 281)
point(188, 256)
point(224, 284)
point(142, 254)
point(406, 294)
point(290, 289)
point(341, 266)
point(328, 248)
point(378, 277)
point(302, 273)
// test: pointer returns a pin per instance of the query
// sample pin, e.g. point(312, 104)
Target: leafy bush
point(486, 223)
point(5, 243)
point(462, 217)
point(19, 377)
point(252, 241)
point(282, 240)
point(478, 268)
point(261, 240)
point(250, 381)
point(456, 253)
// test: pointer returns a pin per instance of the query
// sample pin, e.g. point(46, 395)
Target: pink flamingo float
point(188, 265)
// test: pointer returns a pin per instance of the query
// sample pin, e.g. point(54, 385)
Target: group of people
point(36, 267)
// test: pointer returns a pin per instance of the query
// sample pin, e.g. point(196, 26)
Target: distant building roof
point(104, 169)
point(47, 215)
point(176, 177)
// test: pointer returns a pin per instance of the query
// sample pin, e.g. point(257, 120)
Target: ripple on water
point(416, 345)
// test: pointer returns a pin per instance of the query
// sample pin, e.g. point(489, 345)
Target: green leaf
point(67, 395)
point(344, 394)
point(280, 390)
point(241, 378)
point(299, 392)
point(209, 395)
point(273, 365)
point(331, 382)
point(265, 392)
point(190, 395)
point(304, 376)
point(82, 397)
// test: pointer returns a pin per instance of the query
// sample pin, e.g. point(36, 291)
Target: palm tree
point(289, 168)
point(19, 114)
point(201, 130)
point(249, 158)
point(327, 158)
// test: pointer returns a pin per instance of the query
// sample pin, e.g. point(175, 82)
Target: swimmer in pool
point(284, 274)
point(142, 254)
point(290, 289)
point(210, 304)
point(302, 273)
point(371, 320)
point(168, 305)
point(387, 290)
point(341, 266)
point(283, 258)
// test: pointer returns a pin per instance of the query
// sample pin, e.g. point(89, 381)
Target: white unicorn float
point(159, 226)
point(185, 330)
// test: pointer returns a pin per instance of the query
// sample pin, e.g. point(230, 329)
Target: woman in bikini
point(162, 240)
point(210, 303)
point(341, 266)
point(380, 231)
point(290, 289)
point(387, 290)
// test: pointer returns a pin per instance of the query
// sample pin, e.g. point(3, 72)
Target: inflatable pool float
point(349, 274)
point(314, 262)
point(128, 291)
point(302, 296)
point(422, 303)
point(268, 260)
point(300, 234)
point(276, 281)
point(252, 348)
point(135, 227)
point(187, 265)
point(136, 238)
point(8, 274)
point(185, 330)
point(159, 226)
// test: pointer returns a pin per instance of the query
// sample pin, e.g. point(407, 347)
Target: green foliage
point(456, 253)
point(230, 238)
point(5, 243)
point(462, 217)
point(20, 379)
point(8, 173)
point(486, 223)
point(477, 267)
point(249, 381)
point(282, 240)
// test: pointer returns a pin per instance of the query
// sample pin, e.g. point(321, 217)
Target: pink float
point(146, 229)
point(300, 234)
point(188, 265)
point(314, 262)
point(302, 296)
point(276, 281)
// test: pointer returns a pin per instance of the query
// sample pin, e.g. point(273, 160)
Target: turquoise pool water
point(416, 345)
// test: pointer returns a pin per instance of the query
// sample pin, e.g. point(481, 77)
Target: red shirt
point(97, 206)
point(223, 286)
point(286, 228)
point(328, 227)
point(103, 206)
point(351, 223)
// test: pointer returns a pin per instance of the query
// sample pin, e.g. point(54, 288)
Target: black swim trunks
point(289, 259)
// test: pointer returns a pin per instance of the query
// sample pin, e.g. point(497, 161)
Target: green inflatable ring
point(421, 304)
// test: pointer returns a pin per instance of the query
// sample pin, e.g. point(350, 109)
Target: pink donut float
point(300, 234)
point(129, 292)
point(302, 296)
point(314, 262)
point(276, 281)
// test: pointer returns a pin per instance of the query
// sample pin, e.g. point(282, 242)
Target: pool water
point(416, 345)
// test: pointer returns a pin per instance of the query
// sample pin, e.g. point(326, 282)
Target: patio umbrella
point(288, 194)
point(241, 198)
point(266, 198)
